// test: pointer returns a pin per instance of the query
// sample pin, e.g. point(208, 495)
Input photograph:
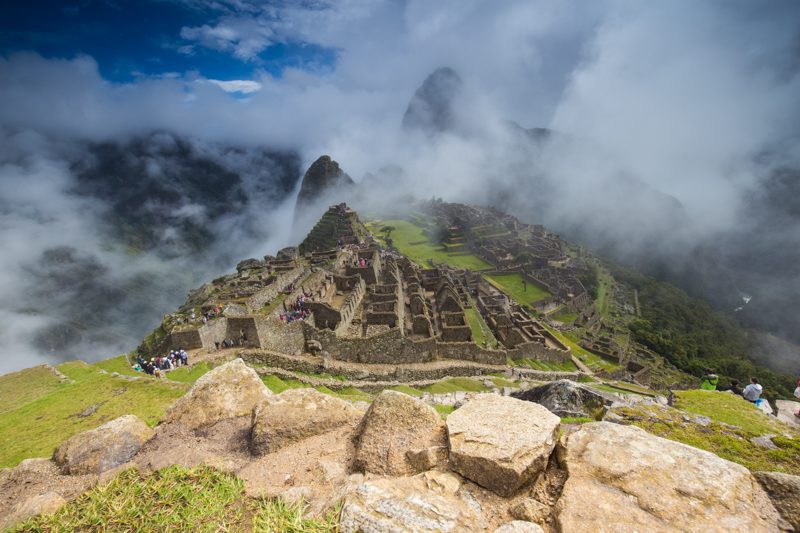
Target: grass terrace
point(512, 285)
point(481, 334)
point(38, 411)
point(413, 241)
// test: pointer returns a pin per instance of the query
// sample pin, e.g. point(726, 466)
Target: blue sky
point(132, 38)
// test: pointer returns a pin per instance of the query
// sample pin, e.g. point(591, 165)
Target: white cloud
point(237, 86)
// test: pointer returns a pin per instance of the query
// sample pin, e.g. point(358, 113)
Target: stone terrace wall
point(188, 340)
point(279, 336)
point(536, 350)
point(269, 293)
point(351, 305)
point(468, 351)
point(384, 348)
point(213, 332)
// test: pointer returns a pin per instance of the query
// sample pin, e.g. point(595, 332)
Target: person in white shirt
point(753, 391)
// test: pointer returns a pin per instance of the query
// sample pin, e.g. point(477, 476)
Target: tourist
point(710, 380)
point(797, 395)
point(735, 387)
point(753, 391)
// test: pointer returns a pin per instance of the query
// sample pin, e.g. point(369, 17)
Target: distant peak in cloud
point(237, 86)
point(431, 108)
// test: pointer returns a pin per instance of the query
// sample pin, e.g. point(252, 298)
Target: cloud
point(237, 86)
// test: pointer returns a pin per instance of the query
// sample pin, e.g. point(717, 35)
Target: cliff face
point(431, 109)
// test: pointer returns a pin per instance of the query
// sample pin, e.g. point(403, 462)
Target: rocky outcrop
point(103, 448)
point(567, 398)
point(501, 443)
point(42, 504)
point(786, 412)
point(322, 176)
point(297, 414)
point(622, 478)
point(784, 491)
point(423, 503)
point(228, 391)
point(396, 430)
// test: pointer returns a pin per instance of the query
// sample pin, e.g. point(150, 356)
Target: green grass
point(119, 365)
point(604, 284)
point(177, 499)
point(348, 393)
point(411, 391)
point(512, 285)
point(34, 428)
point(729, 409)
point(455, 384)
point(481, 334)
point(566, 318)
point(443, 410)
point(189, 374)
point(729, 443)
point(593, 361)
point(565, 366)
point(19, 388)
point(576, 419)
point(411, 240)
point(501, 382)
point(278, 385)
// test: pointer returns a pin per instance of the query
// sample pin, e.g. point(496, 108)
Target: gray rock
point(501, 443)
point(519, 526)
point(42, 504)
point(103, 448)
point(567, 398)
point(784, 491)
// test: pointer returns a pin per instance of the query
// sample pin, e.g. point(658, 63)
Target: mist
point(663, 130)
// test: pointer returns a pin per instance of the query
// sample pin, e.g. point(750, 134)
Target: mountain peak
point(431, 107)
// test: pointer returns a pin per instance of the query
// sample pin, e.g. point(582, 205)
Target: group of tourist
point(752, 392)
point(297, 310)
point(361, 262)
point(155, 365)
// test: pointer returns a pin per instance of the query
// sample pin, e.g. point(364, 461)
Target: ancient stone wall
point(188, 339)
point(468, 351)
point(213, 332)
point(390, 347)
point(269, 293)
point(238, 327)
point(351, 305)
point(279, 336)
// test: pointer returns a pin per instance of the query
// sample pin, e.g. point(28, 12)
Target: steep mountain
point(431, 109)
point(322, 177)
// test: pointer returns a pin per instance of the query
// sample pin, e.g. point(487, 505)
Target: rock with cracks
point(567, 398)
point(784, 491)
point(297, 414)
point(103, 448)
point(501, 443)
point(519, 526)
point(227, 391)
point(395, 432)
point(422, 503)
point(622, 478)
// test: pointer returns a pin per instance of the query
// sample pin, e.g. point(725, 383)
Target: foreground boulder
point(106, 447)
point(784, 491)
point(501, 443)
point(297, 414)
point(622, 478)
point(399, 435)
point(228, 391)
point(42, 504)
point(567, 398)
point(422, 503)
point(786, 412)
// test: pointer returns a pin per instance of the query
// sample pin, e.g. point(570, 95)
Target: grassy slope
point(481, 333)
point(410, 239)
point(178, 499)
point(36, 424)
point(731, 443)
point(512, 285)
point(24, 386)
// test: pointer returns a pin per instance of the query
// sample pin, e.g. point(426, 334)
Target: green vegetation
point(512, 284)
point(501, 382)
point(42, 414)
point(605, 282)
point(278, 385)
point(565, 366)
point(731, 443)
point(443, 410)
point(566, 317)
point(177, 499)
point(481, 334)
point(593, 361)
point(189, 374)
point(576, 419)
point(691, 336)
point(22, 387)
point(455, 384)
point(419, 245)
point(347, 393)
point(405, 389)
point(120, 365)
